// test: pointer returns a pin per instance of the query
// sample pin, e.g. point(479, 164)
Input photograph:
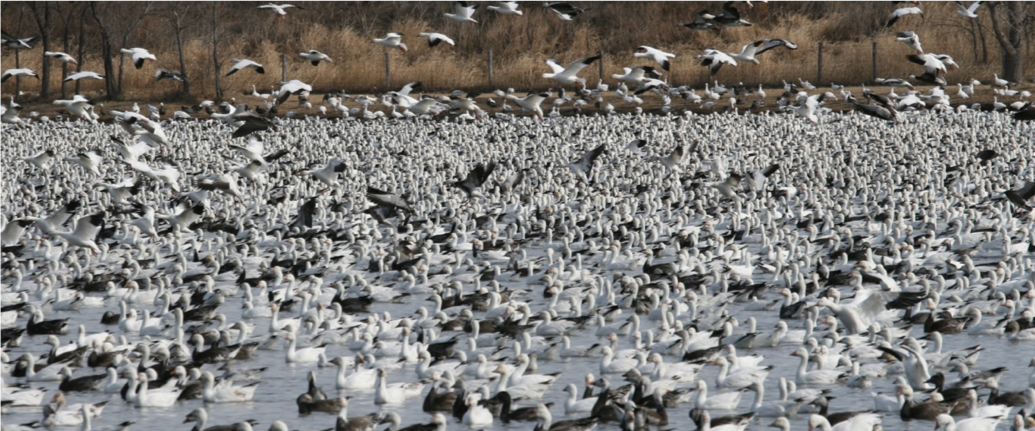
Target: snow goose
point(740, 378)
point(544, 421)
point(730, 17)
point(573, 404)
point(702, 21)
point(862, 312)
point(567, 75)
point(169, 75)
point(62, 57)
point(200, 418)
point(314, 57)
point(477, 416)
point(814, 377)
point(280, 8)
point(84, 75)
point(968, 11)
point(395, 393)
point(359, 379)
point(911, 39)
point(156, 398)
point(78, 106)
point(462, 11)
point(225, 393)
point(724, 401)
point(86, 229)
point(860, 422)
point(293, 86)
point(734, 423)
point(60, 414)
point(16, 43)
point(392, 40)
point(970, 424)
point(636, 75)
point(17, 72)
point(530, 102)
point(584, 164)
point(245, 63)
point(659, 56)
point(752, 50)
point(506, 8)
point(564, 11)
point(899, 13)
point(304, 355)
point(714, 59)
point(139, 55)
point(436, 38)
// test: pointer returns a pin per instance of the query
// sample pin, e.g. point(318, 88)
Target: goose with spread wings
point(383, 198)
point(567, 75)
point(750, 51)
point(585, 163)
point(868, 304)
point(475, 178)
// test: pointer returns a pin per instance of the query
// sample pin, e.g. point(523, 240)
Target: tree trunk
point(106, 48)
point(215, 49)
point(1011, 41)
point(41, 16)
point(973, 37)
point(64, 66)
point(82, 51)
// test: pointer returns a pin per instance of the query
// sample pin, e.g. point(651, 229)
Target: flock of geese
point(848, 273)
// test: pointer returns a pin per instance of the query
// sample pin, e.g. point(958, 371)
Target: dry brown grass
point(521, 44)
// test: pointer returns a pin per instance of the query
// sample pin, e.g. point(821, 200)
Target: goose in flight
point(475, 178)
point(169, 75)
point(139, 55)
point(702, 21)
point(245, 63)
point(62, 57)
point(17, 72)
point(1021, 196)
point(392, 40)
point(85, 232)
point(315, 57)
point(636, 75)
point(89, 160)
point(83, 75)
point(279, 8)
point(530, 102)
point(911, 39)
point(386, 199)
point(868, 304)
point(506, 8)
point(462, 11)
point(873, 109)
point(731, 17)
point(16, 43)
point(714, 59)
point(659, 56)
point(293, 86)
point(564, 11)
point(585, 163)
point(899, 13)
point(252, 123)
point(932, 63)
point(567, 75)
point(968, 11)
point(808, 107)
point(752, 50)
point(436, 38)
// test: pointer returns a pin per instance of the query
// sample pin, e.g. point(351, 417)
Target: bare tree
point(41, 16)
point(114, 20)
point(177, 13)
point(1010, 23)
point(215, 47)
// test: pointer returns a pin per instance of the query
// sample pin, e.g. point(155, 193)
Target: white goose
point(245, 64)
point(139, 55)
point(392, 40)
point(567, 75)
point(314, 57)
point(862, 422)
point(462, 11)
point(225, 393)
point(304, 355)
point(62, 57)
point(360, 379)
point(156, 398)
point(280, 8)
point(84, 75)
point(436, 38)
point(610, 365)
point(530, 102)
point(814, 377)
point(506, 8)
point(724, 401)
point(659, 56)
point(971, 424)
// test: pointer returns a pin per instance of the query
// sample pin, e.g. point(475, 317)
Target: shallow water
point(281, 384)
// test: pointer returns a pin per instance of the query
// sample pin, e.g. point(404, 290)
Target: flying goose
point(637, 75)
point(392, 40)
point(911, 39)
point(969, 12)
point(475, 178)
point(659, 56)
point(384, 198)
point(279, 8)
point(730, 17)
point(62, 57)
point(702, 21)
point(462, 12)
point(530, 102)
point(567, 75)
point(83, 75)
point(714, 59)
point(18, 72)
point(436, 38)
point(506, 8)
point(139, 55)
point(858, 315)
point(899, 13)
point(86, 229)
point(252, 123)
point(314, 57)
point(293, 86)
point(245, 63)
point(16, 43)
point(169, 75)
point(1021, 196)
point(585, 163)
point(751, 50)
point(564, 11)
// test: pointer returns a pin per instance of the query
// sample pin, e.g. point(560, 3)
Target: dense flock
point(625, 271)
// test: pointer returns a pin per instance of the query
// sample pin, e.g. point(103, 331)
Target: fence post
point(388, 70)
point(283, 67)
point(600, 65)
point(874, 79)
point(819, 64)
point(490, 69)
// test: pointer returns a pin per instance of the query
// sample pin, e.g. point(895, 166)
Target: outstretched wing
point(578, 65)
